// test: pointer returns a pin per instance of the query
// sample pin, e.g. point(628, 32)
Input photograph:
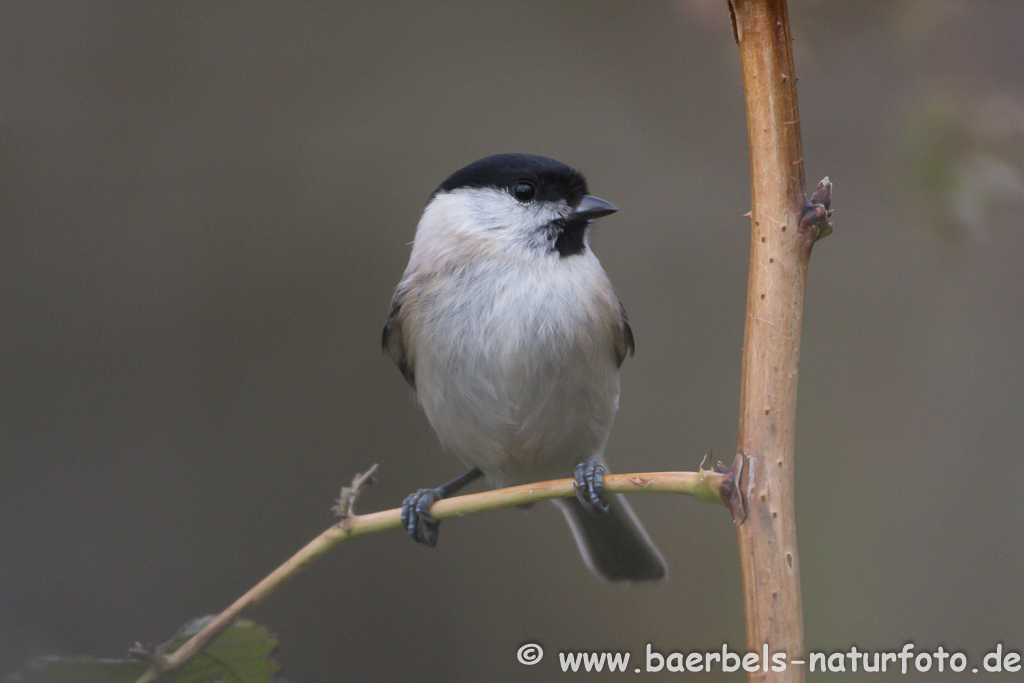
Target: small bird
point(509, 330)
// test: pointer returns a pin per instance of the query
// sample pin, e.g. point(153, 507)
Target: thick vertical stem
point(779, 252)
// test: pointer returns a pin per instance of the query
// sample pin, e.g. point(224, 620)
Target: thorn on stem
point(732, 19)
point(814, 221)
point(823, 193)
point(346, 501)
point(730, 491)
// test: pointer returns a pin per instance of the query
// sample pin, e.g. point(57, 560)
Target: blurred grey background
point(204, 208)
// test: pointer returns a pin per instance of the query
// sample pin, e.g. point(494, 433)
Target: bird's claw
point(416, 516)
point(589, 487)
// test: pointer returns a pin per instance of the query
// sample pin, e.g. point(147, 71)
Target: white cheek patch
point(494, 214)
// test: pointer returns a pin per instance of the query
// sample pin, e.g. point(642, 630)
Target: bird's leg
point(416, 508)
point(590, 487)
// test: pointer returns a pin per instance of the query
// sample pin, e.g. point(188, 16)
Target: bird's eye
point(524, 191)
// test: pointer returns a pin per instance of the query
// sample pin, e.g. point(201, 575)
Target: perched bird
point(508, 329)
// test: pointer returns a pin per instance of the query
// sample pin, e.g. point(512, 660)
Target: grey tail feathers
point(614, 545)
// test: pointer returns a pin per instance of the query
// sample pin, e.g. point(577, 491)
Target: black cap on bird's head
point(532, 178)
point(552, 179)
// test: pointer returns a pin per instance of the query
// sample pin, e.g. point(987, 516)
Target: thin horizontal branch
point(712, 487)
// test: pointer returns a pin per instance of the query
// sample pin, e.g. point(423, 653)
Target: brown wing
point(624, 344)
point(393, 342)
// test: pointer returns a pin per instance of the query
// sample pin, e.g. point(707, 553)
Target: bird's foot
point(590, 487)
point(416, 508)
point(416, 516)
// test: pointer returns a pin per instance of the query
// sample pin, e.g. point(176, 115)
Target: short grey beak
point(592, 207)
